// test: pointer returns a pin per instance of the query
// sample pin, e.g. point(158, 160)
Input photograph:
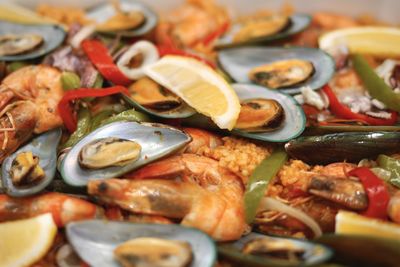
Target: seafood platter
point(196, 136)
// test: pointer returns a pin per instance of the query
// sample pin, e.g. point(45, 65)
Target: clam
point(131, 18)
point(149, 142)
point(282, 73)
point(277, 67)
point(260, 115)
point(349, 146)
point(32, 167)
point(264, 30)
point(101, 243)
point(153, 252)
point(262, 250)
point(152, 98)
point(22, 41)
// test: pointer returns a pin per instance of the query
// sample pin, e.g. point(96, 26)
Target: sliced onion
point(268, 203)
point(81, 35)
point(150, 56)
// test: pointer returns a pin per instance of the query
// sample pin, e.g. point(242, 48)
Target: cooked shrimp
point(394, 207)
point(201, 140)
point(191, 23)
point(331, 21)
point(64, 208)
point(40, 85)
point(207, 196)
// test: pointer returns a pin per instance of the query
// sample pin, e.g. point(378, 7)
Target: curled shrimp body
point(64, 208)
point(202, 194)
point(201, 140)
point(28, 104)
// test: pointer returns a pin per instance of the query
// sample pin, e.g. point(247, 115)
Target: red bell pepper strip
point(216, 34)
point(167, 50)
point(98, 54)
point(345, 112)
point(378, 195)
point(65, 109)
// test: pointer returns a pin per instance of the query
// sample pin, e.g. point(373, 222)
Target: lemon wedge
point(199, 86)
point(24, 242)
point(353, 223)
point(383, 42)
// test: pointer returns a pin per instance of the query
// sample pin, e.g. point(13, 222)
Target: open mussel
point(262, 250)
point(282, 74)
point(267, 115)
point(154, 99)
point(130, 18)
point(118, 148)
point(101, 243)
point(263, 30)
point(32, 167)
point(286, 69)
point(349, 146)
point(23, 41)
point(260, 115)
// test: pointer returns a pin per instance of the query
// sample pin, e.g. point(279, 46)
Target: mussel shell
point(156, 140)
point(53, 36)
point(238, 63)
point(293, 124)
point(357, 250)
point(183, 111)
point(45, 147)
point(95, 240)
point(328, 129)
point(102, 12)
point(349, 146)
point(299, 22)
point(314, 253)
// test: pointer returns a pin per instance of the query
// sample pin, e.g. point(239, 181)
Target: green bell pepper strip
point(392, 165)
point(70, 80)
point(259, 181)
point(375, 85)
point(82, 128)
point(99, 118)
point(127, 115)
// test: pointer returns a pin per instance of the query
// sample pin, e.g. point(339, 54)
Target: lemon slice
point(383, 42)
point(24, 242)
point(199, 86)
point(352, 223)
point(18, 14)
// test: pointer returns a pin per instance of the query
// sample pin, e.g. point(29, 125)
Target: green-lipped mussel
point(22, 41)
point(262, 250)
point(349, 146)
point(32, 167)
point(264, 30)
point(97, 242)
point(142, 18)
point(154, 99)
point(285, 120)
point(275, 67)
point(98, 151)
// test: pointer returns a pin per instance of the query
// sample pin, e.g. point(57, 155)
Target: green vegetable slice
point(392, 165)
point(70, 81)
point(259, 180)
point(376, 86)
point(127, 115)
point(82, 129)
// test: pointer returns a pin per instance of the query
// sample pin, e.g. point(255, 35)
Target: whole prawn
point(28, 104)
point(188, 187)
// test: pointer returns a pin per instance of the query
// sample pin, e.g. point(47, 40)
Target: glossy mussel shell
point(103, 12)
point(52, 35)
point(155, 140)
point(95, 240)
point(298, 23)
point(44, 147)
point(349, 146)
point(239, 62)
point(313, 253)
